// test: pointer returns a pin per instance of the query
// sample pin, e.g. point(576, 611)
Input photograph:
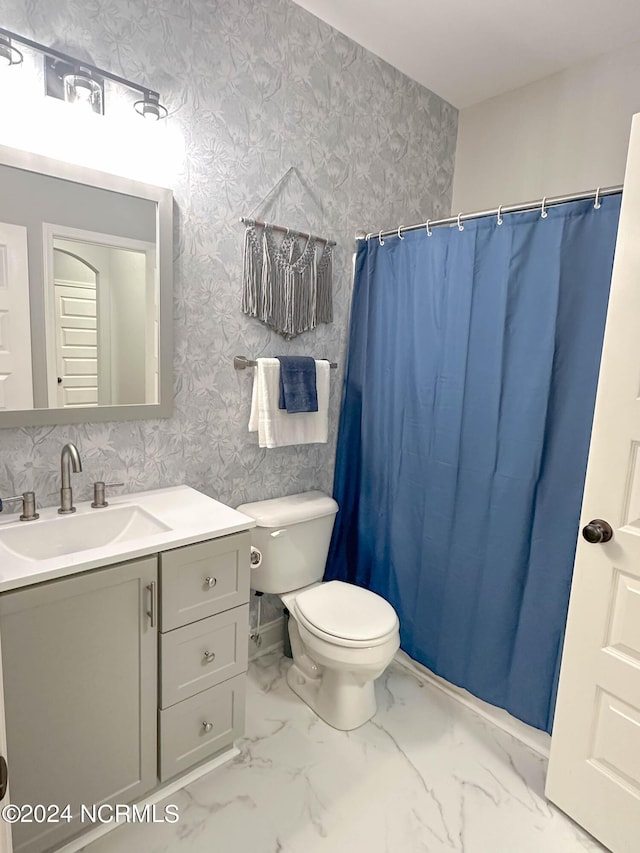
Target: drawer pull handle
point(152, 613)
point(207, 726)
point(210, 582)
point(209, 656)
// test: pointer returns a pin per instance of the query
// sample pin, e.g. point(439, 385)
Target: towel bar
point(241, 362)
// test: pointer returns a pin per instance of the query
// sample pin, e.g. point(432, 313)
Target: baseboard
point(533, 738)
point(272, 634)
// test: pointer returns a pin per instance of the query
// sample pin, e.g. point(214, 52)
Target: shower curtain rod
point(497, 211)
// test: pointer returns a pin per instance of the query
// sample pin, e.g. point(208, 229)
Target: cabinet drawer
point(203, 579)
point(198, 656)
point(184, 738)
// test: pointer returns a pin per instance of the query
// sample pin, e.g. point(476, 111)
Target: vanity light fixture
point(9, 55)
point(75, 80)
point(150, 107)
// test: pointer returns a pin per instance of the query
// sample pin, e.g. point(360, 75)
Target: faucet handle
point(28, 505)
point(99, 493)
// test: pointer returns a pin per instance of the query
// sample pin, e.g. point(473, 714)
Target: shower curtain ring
point(429, 231)
point(399, 232)
point(460, 225)
point(543, 212)
point(597, 204)
point(380, 240)
point(500, 220)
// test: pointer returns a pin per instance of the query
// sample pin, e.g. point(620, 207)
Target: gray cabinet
point(203, 650)
point(79, 660)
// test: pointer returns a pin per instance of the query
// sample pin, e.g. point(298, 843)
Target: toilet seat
point(342, 641)
point(346, 615)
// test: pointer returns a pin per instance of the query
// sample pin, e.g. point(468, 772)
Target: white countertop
point(189, 515)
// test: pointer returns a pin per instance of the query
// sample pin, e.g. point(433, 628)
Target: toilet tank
point(293, 536)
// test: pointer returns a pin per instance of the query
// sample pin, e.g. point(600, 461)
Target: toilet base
point(335, 696)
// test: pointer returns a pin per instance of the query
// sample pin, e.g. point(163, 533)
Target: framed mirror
point(85, 294)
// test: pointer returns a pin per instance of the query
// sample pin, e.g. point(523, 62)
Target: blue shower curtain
point(464, 432)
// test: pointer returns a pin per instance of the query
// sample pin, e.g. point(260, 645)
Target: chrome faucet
point(69, 459)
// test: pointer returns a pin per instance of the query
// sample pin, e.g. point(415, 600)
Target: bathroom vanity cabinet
point(122, 677)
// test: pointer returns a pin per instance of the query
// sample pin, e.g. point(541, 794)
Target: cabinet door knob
point(209, 656)
point(207, 726)
point(210, 582)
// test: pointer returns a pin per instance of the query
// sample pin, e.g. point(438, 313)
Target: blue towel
point(298, 391)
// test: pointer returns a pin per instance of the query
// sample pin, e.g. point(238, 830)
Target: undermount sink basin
point(56, 537)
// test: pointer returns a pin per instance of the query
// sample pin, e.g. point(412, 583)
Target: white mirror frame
point(164, 257)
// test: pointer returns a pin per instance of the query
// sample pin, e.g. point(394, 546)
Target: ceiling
point(468, 51)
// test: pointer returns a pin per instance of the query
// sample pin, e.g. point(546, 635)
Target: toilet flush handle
point(277, 533)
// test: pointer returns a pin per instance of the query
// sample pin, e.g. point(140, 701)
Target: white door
point(594, 769)
point(76, 344)
point(16, 389)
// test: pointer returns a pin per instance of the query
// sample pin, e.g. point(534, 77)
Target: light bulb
point(150, 107)
point(83, 91)
point(9, 55)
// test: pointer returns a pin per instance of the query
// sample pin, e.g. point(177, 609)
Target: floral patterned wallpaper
point(255, 86)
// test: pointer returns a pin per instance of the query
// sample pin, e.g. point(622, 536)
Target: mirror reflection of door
point(16, 390)
point(103, 321)
point(75, 286)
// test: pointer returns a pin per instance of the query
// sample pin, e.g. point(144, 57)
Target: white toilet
point(342, 636)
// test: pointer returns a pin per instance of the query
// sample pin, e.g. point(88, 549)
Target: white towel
point(277, 428)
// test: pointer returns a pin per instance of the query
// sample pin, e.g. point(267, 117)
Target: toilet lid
point(347, 611)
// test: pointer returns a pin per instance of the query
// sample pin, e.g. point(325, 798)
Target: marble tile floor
point(426, 774)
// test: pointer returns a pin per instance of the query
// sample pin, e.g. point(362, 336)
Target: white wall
point(565, 133)
point(128, 326)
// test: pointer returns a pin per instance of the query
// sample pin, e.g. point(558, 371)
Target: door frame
point(49, 232)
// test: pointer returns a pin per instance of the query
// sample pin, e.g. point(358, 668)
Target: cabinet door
point(80, 677)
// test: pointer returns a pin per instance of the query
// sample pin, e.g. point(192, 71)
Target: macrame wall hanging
point(287, 284)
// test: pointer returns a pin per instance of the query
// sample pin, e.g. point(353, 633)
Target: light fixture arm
point(70, 60)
